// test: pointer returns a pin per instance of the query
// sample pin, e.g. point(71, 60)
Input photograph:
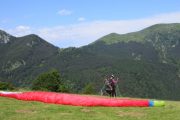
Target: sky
point(75, 23)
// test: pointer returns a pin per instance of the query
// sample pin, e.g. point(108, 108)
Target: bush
point(49, 81)
point(6, 86)
point(89, 89)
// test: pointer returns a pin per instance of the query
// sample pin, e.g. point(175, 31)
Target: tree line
point(51, 81)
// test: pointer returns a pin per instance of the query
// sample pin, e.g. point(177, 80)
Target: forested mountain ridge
point(20, 57)
point(147, 62)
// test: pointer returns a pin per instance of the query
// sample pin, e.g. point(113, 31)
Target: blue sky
point(76, 23)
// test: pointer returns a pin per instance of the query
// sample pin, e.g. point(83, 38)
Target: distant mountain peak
point(4, 37)
point(140, 36)
point(162, 27)
point(32, 35)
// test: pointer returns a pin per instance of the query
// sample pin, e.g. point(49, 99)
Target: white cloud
point(64, 12)
point(87, 32)
point(21, 30)
point(80, 19)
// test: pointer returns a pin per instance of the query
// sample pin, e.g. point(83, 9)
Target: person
point(113, 83)
point(108, 87)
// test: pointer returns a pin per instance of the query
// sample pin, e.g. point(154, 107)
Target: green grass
point(12, 109)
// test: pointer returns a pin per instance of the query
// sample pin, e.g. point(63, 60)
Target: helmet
point(112, 75)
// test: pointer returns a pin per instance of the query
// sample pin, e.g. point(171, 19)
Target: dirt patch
point(65, 113)
point(86, 110)
point(131, 114)
point(26, 111)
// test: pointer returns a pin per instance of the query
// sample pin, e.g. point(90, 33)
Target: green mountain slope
point(141, 36)
point(147, 62)
point(20, 57)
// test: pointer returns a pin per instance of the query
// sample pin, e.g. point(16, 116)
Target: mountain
point(163, 37)
point(147, 62)
point(21, 56)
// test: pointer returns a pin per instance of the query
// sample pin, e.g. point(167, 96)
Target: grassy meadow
point(12, 109)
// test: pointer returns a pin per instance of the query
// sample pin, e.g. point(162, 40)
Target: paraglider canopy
point(79, 100)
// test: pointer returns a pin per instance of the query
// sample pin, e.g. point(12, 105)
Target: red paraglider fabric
point(76, 100)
